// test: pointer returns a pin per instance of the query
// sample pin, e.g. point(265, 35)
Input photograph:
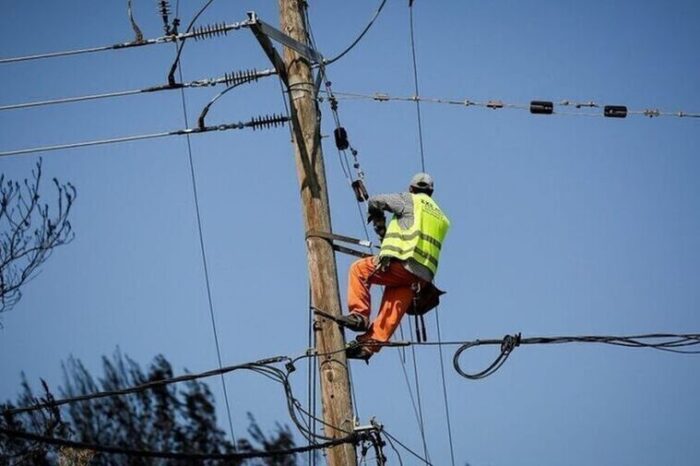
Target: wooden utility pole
point(335, 383)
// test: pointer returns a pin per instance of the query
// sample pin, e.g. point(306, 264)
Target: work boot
point(355, 350)
point(354, 322)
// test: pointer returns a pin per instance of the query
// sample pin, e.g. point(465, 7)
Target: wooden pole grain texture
point(335, 382)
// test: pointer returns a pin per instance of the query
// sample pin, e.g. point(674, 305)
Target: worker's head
point(421, 183)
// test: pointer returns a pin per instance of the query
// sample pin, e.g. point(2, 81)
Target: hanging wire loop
point(508, 344)
point(670, 342)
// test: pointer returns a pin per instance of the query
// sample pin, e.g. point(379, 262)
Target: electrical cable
point(444, 388)
point(359, 38)
point(202, 249)
point(159, 40)
point(421, 423)
point(393, 447)
point(415, 86)
point(205, 110)
point(173, 67)
point(116, 450)
point(227, 79)
point(499, 104)
point(389, 436)
point(663, 342)
point(311, 369)
point(255, 123)
point(146, 386)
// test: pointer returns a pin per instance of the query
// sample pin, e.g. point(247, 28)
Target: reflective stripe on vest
point(422, 241)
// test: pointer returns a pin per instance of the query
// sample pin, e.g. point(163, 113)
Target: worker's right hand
point(380, 229)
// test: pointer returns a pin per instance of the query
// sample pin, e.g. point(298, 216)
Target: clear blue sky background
point(560, 224)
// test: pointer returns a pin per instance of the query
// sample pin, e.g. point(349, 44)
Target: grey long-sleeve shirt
point(401, 205)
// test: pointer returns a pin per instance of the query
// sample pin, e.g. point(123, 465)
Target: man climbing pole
point(407, 261)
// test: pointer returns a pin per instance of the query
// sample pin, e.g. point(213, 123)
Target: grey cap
point(422, 181)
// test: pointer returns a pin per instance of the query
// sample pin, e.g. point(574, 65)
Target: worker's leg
point(395, 303)
point(398, 297)
point(359, 297)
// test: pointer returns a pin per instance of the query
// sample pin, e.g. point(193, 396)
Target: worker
point(408, 259)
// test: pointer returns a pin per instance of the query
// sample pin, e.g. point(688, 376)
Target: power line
point(148, 385)
point(389, 436)
point(359, 38)
point(256, 123)
point(675, 343)
point(199, 33)
point(210, 30)
point(415, 86)
point(671, 342)
point(116, 450)
point(203, 253)
point(227, 79)
point(444, 388)
point(581, 109)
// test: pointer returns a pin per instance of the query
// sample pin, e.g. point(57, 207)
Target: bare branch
point(29, 231)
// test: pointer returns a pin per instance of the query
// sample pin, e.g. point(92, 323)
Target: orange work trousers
point(398, 296)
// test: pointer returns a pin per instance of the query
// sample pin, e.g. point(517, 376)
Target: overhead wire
point(419, 402)
point(202, 248)
point(500, 104)
point(125, 45)
point(675, 343)
point(419, 121)
point(228, 78)
point(415, 86)
point(145, 386)
point(359, 37)
point(176, 62)
point(672, 342)
point(117, 450)
point(444, 388)
point(416, 455)
point(255, 123)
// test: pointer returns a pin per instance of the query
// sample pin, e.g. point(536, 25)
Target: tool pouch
point(426, 297)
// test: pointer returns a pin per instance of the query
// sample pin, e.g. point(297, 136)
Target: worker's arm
point(376, 205)
point(394, 203)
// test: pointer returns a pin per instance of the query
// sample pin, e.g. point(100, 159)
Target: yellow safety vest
point(422, 241)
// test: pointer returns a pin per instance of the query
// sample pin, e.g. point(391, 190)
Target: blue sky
point(560, 224)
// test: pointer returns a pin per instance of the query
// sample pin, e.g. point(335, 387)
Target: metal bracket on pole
point(275, 34)
point(263, 32)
